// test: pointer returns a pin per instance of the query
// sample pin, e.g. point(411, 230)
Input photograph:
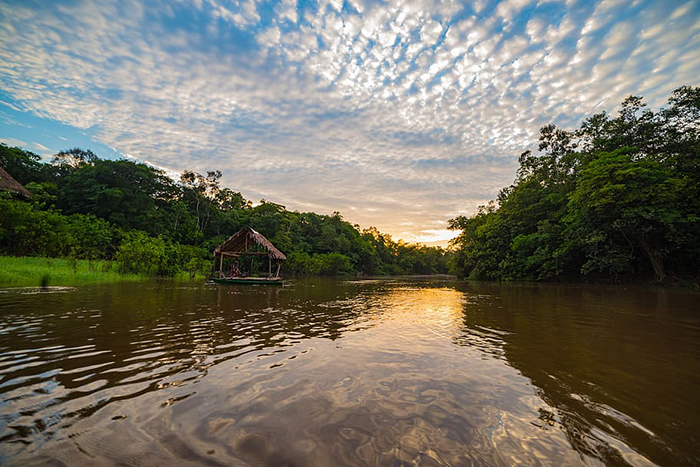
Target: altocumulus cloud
point(399, 114)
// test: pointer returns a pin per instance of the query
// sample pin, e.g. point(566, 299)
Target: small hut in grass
point(248, 242)
point(7, 182)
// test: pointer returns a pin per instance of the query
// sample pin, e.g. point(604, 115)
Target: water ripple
point(339, 373)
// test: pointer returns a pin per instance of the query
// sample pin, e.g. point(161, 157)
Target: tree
point(24, 166)
point(619, 196)
point(90, 207)
point(620, 202)
point(74, 158)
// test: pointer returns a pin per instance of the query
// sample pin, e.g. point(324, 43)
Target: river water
point(332, 372)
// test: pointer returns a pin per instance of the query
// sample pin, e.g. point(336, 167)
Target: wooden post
point(221, 264)
point(277, 274)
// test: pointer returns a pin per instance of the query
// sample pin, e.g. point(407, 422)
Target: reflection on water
point(349, 373)
point(617, 366)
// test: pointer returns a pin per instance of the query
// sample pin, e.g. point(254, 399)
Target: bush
point(141, 254)
point(324, 264)
point(194, 260)
point(25, 231)
point(157, 256)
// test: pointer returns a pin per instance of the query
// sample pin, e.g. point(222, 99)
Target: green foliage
point(321, 264)
point(194, 261)
point(24, 166)
point(616, 198)
point(93, 238)
point(141, 254)
point(157, 256)
point(74, 158)
point(122, 192)
point(25, 230)
point(84, 207)
point(620, 206)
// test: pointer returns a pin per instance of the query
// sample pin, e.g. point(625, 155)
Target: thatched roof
point(243, 241)
point(9, 183)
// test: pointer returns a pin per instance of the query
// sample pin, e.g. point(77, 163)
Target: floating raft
point(249, 281)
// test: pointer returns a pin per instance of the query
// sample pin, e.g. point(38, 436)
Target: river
point(393, 372)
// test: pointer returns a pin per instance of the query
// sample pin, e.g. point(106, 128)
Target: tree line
point(86, 207)
point(616, 199)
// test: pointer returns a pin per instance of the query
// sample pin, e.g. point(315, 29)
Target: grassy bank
point(30, 271)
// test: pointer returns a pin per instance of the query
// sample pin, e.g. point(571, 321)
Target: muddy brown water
point(334, 372)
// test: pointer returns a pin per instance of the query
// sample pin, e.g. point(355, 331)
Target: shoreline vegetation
point(616, 200)
point(142, 223)
point(32, 271)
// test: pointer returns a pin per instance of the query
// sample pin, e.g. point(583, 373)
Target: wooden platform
point(249, 281)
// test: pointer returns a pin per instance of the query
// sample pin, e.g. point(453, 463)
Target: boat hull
point(248, 281)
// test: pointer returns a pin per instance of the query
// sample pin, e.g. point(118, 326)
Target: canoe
point(249, 281)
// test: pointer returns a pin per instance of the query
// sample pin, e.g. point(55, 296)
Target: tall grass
point(30, 271)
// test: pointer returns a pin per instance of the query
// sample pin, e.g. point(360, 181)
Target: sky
point(400, 114)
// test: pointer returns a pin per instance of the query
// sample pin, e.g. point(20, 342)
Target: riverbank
point(32, 271)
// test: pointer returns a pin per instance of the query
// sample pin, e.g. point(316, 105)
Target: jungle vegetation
point(88, 208)
point(616, 199)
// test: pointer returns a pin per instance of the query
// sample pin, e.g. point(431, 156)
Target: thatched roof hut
point(248, 242)
point(244, 241)
point(7, 182)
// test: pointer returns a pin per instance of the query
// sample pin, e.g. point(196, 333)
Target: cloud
point(393, 113)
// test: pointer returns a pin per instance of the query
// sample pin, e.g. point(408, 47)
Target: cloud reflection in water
point(385, 372)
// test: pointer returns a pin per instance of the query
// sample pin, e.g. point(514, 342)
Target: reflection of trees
point(111, 343)
point(611, 364)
